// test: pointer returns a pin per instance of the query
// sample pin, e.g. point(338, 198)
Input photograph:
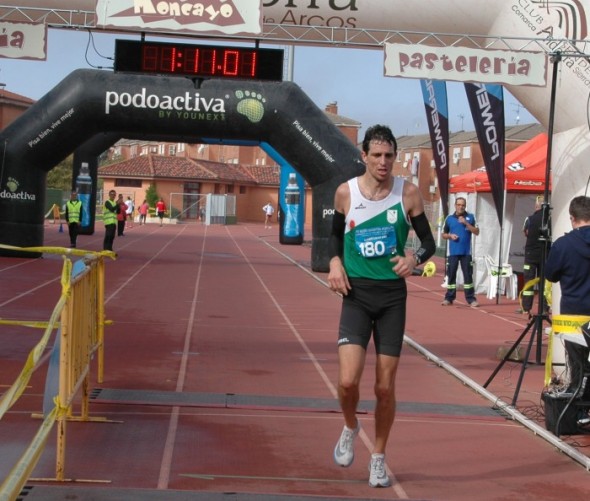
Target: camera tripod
point(535, 325)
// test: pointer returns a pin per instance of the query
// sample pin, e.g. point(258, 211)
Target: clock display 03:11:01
point(204, 61)
point(200, 61)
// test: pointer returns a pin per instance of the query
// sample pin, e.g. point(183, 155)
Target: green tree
point(60, 177)
point(151, 195)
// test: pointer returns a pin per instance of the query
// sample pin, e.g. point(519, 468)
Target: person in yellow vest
point(109, 217)
point(73, 217)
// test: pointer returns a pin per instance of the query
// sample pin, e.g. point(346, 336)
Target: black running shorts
point(377, 307)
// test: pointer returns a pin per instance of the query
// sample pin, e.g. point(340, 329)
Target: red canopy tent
point(524, 171)
point(525, 179)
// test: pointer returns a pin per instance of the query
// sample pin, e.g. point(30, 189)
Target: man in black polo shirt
point(533, 253)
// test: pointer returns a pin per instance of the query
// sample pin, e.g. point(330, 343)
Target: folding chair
point(508, 279)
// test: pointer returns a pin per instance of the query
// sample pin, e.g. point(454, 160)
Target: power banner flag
point(435, 101)
point(487, 109)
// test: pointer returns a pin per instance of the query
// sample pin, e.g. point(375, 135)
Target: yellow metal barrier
point(562, 324)
point(80, 309)
point(16, 390)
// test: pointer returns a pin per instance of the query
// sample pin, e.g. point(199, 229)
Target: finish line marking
point(277, 479)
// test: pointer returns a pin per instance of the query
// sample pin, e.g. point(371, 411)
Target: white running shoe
point(344, 450)
point(378, 476)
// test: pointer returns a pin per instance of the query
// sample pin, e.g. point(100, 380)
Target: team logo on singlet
point(391, 216)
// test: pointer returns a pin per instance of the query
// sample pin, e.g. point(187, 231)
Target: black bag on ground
point(554, 406)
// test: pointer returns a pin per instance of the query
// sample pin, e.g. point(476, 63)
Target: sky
point(353, 78)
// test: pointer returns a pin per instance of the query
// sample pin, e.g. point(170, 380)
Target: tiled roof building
point(181, 168)
point(12, 106)
point(205, 168)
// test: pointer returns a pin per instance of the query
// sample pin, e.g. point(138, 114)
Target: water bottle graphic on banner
point(292, 201)
point(84, 189)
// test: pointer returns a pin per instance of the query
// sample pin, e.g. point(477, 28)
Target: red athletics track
point(220, 378)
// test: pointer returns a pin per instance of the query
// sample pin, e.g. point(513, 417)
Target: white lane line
point(168, 451)
point(400, 492)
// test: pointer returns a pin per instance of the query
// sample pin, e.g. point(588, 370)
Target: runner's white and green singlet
point(375, 232)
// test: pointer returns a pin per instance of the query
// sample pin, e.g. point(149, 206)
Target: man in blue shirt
point(458, 229)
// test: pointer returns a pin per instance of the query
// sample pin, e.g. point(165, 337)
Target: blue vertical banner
point(486, 102)
point(292, 206)
point(291, 199)
point(437, 116)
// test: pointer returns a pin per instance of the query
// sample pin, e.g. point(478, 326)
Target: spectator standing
point(130, 206)
point(121, 216)
point(161, 210)
point(109, 217)
point(73, 217)
point(269, 210)
point(143, 211)
point(457, 229)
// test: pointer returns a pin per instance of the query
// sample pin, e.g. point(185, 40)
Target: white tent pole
point(499, 285)
point(500, 253)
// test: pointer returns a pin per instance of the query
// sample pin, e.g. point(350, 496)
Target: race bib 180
point(375, 242)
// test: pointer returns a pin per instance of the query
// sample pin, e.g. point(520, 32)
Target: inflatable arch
point(543, 25)
point(90, 110)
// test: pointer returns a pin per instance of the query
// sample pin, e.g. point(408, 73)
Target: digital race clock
point(200, 61)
